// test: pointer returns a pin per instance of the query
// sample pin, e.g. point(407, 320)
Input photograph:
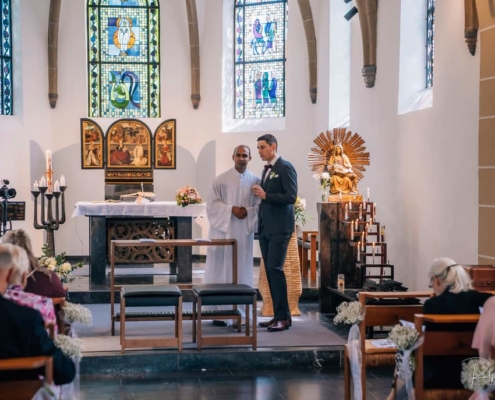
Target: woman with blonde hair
point(41, 281)
point(17, 281)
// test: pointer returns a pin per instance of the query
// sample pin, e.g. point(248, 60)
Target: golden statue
point(342, 178)
point(342, 154)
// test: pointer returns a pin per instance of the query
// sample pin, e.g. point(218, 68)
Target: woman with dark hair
point(40, 281)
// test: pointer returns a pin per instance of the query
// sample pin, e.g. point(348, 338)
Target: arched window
point(124, 58)
point(6, 81)
point(430, 41)
point(259, 58)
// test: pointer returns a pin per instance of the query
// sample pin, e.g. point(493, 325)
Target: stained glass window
point(430, 41)
point(6, 59)
point(260, 28)
point(124, 58)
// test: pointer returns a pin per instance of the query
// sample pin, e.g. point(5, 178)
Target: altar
point(130, 221)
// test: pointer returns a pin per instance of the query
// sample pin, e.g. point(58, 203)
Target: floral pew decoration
point(478, 375)
point(352, 314)
point(406, 339)
point(59, 264)
point(302, 218)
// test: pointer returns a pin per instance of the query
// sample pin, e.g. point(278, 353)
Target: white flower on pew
point(349, 313)
point(478, 375)
point(70, 346)
point(405, 338)
point(77, 313)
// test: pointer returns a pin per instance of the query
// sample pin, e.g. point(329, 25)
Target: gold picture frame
point(92, 145)
point(128, 145)
point(165, 145)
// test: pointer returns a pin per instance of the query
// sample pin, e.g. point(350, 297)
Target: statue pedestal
point(335, 198)
point(292, 270)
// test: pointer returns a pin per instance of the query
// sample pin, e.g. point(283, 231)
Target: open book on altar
point(138, 197)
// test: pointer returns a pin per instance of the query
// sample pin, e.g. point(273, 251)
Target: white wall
point(418, 160)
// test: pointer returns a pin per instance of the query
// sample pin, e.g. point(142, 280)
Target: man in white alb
point(232, 211)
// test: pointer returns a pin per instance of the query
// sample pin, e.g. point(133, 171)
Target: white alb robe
point(231, 189)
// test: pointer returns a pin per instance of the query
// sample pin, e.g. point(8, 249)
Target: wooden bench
point(443, 342)
point(309, 241)
point(25, 389)
point(379, 315)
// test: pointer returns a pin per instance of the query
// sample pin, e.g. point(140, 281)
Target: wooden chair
point(443, 343)
point(309, 241)
point(26, 389)
point(379, 315)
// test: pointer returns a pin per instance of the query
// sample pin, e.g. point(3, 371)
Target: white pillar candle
point(56, 188)
point(373, 251)
point(62, 180)
point(352, 232)
point(359, 251)
point(346, 216)
point(356, 225)
point(35, 186)
point(368, 193)
point(350, 205)
point(48, 160)
point(360, 211)
point(43, 182)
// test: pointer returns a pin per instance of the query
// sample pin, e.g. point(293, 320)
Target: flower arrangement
point(70, 346)
point(405, 338)
point(299, 211)
point(59, 265)
point(349, 313)
point(77, 313)
point(325, 185)
point(187, 195)
point(478, 374)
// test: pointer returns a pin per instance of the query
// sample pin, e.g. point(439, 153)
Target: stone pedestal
point(336, 254)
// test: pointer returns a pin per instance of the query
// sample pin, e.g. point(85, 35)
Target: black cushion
point(150, 291)
point(223, 289)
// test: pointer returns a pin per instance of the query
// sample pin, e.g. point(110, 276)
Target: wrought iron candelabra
point(50, 224)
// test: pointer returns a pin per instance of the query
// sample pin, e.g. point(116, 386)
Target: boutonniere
point(273, 175)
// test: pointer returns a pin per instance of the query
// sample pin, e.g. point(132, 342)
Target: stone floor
point(238, 385)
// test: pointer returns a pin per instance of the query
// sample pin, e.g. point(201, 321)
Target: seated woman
point(484, 335)
point(454, 294)
point(40, 280)
point(342, 177)
point(17, 281)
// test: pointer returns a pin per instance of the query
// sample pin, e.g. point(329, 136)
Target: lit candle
point(62, 180)
point(362, 241)
point(368, 193)
point(35, 186)
point(48, 160)
point(356, 227)
point(340, 196)
point(352, 232)
point(56, 187)
point(350, 205)
point(373, 251)
point(360, 211)
point(359, 251)
point(346, 216)
point(43, 182)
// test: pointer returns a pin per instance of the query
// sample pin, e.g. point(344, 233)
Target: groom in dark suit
point(278, 192)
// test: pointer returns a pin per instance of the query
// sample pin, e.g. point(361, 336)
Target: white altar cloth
point(153, 209)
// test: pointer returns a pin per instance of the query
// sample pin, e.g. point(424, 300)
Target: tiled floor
point(242, 385)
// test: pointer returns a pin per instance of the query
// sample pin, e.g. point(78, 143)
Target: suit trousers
point(274, 250)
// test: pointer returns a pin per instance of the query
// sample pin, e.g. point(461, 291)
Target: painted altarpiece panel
point(165, 145)
point(92, 145)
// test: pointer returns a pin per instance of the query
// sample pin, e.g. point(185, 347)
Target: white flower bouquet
point(70, 346)
point(300, 212)
point(59, 265)
point(77, 313)
point(405, 338)
point(349, 313)
point(478, 374)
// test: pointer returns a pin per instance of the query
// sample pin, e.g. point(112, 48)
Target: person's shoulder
point(19, 312)
point(224, 175)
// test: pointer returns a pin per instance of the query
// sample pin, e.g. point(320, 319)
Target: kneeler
point(292, 270)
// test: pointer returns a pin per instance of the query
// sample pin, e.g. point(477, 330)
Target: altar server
point(232, 211)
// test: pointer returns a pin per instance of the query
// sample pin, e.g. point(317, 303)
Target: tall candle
point(56, 188)
point(373, 251)
point(62, 180)
point(360, 211)
point(368, 193)
point(359, 251)
point(352, 232)
point(48, 160)
point(35, 186)
point(356, 225)
point(346, 216)
point(43, 182)
point(362, 241)
point(350, 205)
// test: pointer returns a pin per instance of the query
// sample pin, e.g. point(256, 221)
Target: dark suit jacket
point(23, 334)
point(277, 210)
